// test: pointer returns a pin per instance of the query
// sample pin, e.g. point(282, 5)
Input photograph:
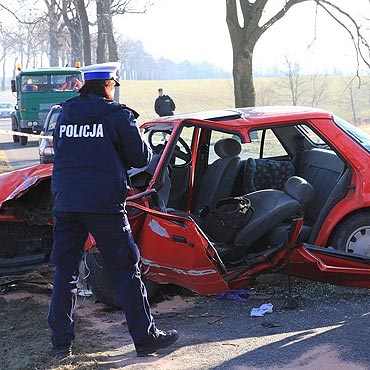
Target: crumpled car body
point(188, 174)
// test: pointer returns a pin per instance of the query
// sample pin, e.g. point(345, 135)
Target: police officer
point(96, 140)
point(164, 104)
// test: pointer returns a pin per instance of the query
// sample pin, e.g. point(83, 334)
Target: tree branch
point(358, 40)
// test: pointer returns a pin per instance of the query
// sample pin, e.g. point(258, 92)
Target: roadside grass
point(345, 96)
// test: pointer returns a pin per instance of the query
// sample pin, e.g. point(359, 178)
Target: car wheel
point(353, 234)
point(24, 140)
point(100, 283)
point(15, 138)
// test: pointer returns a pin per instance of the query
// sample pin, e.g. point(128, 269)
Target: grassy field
point(189, 95)
point(337, 94)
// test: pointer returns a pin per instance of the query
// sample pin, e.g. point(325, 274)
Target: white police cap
point(102, 71)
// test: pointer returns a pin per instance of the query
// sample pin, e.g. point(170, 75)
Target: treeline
point(62, 32)
point(137, 64)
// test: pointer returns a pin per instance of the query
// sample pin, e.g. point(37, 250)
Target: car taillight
point(49, 150)
point(46, 148)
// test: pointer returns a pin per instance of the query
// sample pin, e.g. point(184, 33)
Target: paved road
point(16, 155)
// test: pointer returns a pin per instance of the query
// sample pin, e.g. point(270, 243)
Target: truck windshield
point(50, 83)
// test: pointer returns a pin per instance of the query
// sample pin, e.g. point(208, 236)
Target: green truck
point(37, 90)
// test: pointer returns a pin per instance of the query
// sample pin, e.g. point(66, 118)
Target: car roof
point(247, 116)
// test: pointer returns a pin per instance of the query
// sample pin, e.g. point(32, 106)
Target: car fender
point(342, 210)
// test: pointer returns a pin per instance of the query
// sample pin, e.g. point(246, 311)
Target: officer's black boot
point(165, 339)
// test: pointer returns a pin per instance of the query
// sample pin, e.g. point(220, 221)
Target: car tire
point(353, 234)
point(15, 138)
point(100, 284)
point(24, 140)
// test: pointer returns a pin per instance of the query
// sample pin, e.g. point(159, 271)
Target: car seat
point(266, 174)
point(272, 207)
point(218, 179)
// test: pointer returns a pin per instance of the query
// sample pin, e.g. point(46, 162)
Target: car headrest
point(227, 148)
point(299, 188)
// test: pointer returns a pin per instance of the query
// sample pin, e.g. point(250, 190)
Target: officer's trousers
point(120, 255)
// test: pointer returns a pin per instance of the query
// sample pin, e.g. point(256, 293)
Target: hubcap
point(359, 241)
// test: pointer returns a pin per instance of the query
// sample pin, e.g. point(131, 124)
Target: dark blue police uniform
point(95, 141)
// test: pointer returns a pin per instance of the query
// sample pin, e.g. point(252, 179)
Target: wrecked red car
point(305, 172)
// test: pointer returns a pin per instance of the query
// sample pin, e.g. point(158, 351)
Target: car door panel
point(329, 265)
point(174, 250)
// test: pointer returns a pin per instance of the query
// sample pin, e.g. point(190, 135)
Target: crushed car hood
point(15, 183)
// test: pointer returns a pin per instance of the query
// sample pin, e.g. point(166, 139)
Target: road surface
point(16, 155)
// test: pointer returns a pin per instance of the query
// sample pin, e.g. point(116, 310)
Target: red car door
point(174, 250)
point(329, 265)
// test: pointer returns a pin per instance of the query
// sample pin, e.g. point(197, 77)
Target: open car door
point(175, 250)
point(329, 265)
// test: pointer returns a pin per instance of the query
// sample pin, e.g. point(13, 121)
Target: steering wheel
point(182, 151)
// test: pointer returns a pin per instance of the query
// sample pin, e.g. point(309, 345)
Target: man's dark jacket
point(164, 106)
point(95, 142)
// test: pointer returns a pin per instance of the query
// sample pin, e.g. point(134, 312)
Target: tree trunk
point(244, 91)
point(244, 39)
point(72, 21)
point(107, 47)
point(53, 22)
point(86, 40)
point(76, 52)
point(101, 50)
point(54, 47)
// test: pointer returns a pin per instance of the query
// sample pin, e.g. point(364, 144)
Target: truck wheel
point(15, 127)
point(24, 140)
point(353, 234)
point(100, 284)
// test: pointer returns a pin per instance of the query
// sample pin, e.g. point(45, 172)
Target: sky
point(196, 30)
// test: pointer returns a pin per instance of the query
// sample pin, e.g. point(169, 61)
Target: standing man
point(164, 105)
point(96, 140)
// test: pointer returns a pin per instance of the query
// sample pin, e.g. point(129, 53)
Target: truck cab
point(37, 90)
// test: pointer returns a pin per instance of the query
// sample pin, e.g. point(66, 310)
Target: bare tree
point(266, 95)
point(294, 79)
point(86, 39)
point(72, 22)
point(53, 17)
point(353, 89)
point(103, 16)
point(319, 85)
point(105, 10)
point(302, 89)
point(244, 38)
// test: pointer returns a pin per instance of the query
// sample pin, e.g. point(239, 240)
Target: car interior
point(286, 171)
